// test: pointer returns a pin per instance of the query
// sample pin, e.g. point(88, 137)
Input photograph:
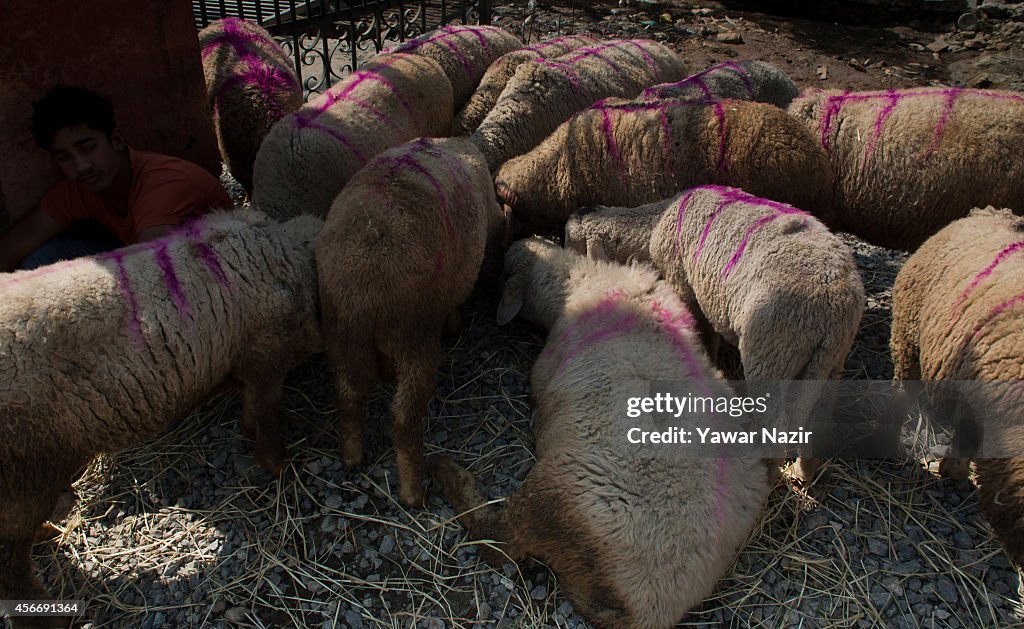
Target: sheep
point(908, 162)
point(399, 253)
point(636, 534)
point(464, 52)
point(957, 316)
point(250, 84)
point(98, 354)
point(630, 153)
point(543, 93)
point(502, 70)
point(309, 155)
point(770, 279)
point(741, 80)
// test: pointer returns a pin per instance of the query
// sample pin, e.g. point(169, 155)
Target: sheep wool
point(309, 155)
point(543, 93)
point(501, 71)
point(908, 162)
point(98, 354)
point(250, 84)
point(958, 314)
point(399, 253)
point(617, 521)
point(464, 53)
point(741, 80)
point(627, 154)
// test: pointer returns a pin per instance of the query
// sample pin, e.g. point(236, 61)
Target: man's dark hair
point(68, 106)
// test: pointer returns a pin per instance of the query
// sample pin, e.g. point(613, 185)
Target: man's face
point(87, 157)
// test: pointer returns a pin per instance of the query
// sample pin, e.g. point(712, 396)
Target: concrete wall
point(143, 55)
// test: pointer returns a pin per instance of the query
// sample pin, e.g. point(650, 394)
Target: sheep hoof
point(352, 455)
point(273, 461)
point(413, 497)
point(957, 469)
point(805, 468)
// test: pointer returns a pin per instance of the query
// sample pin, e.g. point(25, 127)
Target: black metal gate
point(328, 39)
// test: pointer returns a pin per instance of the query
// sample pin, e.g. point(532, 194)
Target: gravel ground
point(187, 531)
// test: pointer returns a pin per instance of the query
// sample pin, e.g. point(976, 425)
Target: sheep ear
point(511, 303)
point(595, 250)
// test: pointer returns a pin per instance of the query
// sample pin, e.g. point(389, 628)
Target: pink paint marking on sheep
point(721, 166)
point(558, 41)
point(234, 36)
point(609, 136)
point(1016, 300)
point(345, 88)
point(758, 224)
point(407, 160)
point(722, 204)
point(601, 311)
point(567, 66)
point(834, 103)
point(684, 200)
point(940, 126)
point(1005, 253)
point(193, 233)
point(446, 33)
point(648, 59)
point(303, 123)
point(267, 79)
point(166, 265)
point(741, 71)
point(125, 283)
point(612, 327)
point(892, 99)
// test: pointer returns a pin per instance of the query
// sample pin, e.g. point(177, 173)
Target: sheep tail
point(482, 521)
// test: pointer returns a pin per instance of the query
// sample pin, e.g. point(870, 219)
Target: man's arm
point(28, 234)
point(152, 233)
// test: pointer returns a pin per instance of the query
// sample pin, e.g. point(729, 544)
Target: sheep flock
point(651, 221)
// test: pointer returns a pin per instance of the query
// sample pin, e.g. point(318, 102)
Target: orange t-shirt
point(165, 191)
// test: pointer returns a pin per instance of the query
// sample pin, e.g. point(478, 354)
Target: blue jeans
point(77, 241)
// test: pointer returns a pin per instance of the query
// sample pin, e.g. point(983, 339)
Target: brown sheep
point(908, 162)
point(399, 252)
point(251, 85)
point(501, 71)
point(309, 155)
point(463, 52)
point(630, 153)
point(958, 315)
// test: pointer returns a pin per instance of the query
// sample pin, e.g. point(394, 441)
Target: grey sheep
point(637, 534)
point(958, 315)
point(251, 85)
point(908, 162)
point(399, 253)
point(543, 93)
point(627, 154)
point(501, 71)
point(464, 53)
point(309, 155)
point(102, 353)
point(741, 80)
point(770, 279)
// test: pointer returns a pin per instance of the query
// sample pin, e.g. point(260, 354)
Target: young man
point(137, 196)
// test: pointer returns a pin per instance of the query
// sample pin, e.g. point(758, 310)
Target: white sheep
point(309, 155)
point(637, 534)
point(399, 253)
point(98, 354)
point(771, 280)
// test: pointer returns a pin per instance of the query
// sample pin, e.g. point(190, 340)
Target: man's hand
point(28, 234)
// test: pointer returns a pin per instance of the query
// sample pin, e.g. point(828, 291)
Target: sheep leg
point(18, 581)
point(261, 404)
point(416, 374)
